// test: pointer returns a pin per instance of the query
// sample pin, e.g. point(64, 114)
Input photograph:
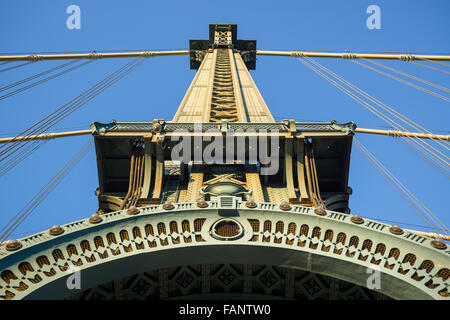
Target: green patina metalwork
point(123, 244)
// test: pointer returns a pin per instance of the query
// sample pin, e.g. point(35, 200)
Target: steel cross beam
point(392, 133)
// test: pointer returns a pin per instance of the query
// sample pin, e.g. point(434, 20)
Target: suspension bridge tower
point(223, 202)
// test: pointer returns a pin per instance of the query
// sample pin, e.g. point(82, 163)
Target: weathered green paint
point(243, 250)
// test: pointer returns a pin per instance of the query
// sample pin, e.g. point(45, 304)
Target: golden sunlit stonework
point(197, 227)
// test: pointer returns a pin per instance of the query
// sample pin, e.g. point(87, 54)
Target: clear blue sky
point(155, 89)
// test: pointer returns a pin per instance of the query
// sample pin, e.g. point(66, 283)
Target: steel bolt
point(251, 203)
point(12, 245)
point(95, 218)
point(201, 203)
point(285, 206)
point(438, 243)
point(56, 230)
point(357, 219)
point(320, 210)
point(395, 229)
point(132, 210)
point(168, 205)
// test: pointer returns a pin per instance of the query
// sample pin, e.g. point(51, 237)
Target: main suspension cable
point(62, 112)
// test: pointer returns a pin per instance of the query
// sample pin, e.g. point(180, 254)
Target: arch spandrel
point(121, 245)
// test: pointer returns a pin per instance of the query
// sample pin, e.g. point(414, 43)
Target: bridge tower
point(223, 201)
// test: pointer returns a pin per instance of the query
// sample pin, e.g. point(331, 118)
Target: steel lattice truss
point(224, 223)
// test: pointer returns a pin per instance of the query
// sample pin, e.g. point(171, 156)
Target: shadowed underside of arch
point(228, 281)
point(193, 252)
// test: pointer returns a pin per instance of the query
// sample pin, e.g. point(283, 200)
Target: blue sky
point(156, 88)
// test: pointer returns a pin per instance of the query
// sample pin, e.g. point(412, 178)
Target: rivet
point(132, 210)
point(285, 206)
point(395, 229)
point(320, 210)
point(100, 212)
point(357, 219)
point(251, 203)
point(12, 245)
point(56, 230)
point(201, 203)
point(95, 218)
point(438, 243)
point(168, 205)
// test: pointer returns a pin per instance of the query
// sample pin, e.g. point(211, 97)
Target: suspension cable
point(16, 66)
point(415, 203)
point(312, 179)
point(16, 159)
point(403, 81)
point(98, 55)
point(423, 156)
point(44, 192)
point(394, 133)
point(36, 75)
point(429, 67)
point(9, 94)
point(408, 75)
point(385, 107)
point(62, 112)
point(347, 55)
point(425, 146)
point(46, 136)
point(437, 62)
point(370, 108)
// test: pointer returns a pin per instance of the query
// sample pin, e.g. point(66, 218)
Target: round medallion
point(226, 230)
